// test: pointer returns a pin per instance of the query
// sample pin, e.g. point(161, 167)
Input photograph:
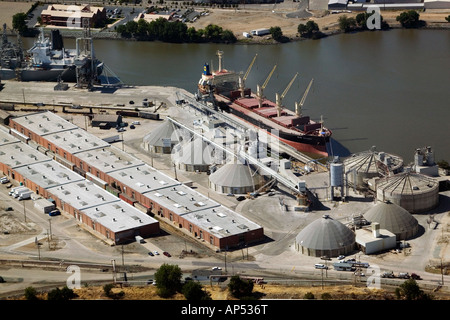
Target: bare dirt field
point(239, 21)
point(8, 9)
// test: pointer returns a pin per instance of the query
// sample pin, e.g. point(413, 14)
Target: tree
point(240, 288)
point(228, 36)
point(346, 24)
point(31, 293)
point(194, 291)
point(19, 23)
point(61, 294)
point(168, 280)
point(410, 290)
point(447, 18)
point(277, 33)
point(409, 19)
point(309, 30)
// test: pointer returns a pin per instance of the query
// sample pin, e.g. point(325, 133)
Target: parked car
point(156, 253)
point(132, 126)
point(4, 180)
point(166, 254)
point(8, 209)
point(135, 122)
point(54, 213)
point(216, 268)
point(341, 257)
point(320, 266)
point(150, 254)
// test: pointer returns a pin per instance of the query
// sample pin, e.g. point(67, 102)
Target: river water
point(388, 89)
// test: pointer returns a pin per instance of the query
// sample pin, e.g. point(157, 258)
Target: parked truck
point(17, 192)
point(25, 195)
point(11, 192)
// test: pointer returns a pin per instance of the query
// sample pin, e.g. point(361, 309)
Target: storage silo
point(325, 237)
point(393, 218)
point(162, 139)
point(235, 178)
point(412, 191)
point(195, 156)
point(337, 176)
point(363, 166)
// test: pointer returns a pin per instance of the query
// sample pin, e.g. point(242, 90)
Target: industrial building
point(394, 219)
point(374, 239)
point(412, 191)
point(325, 237)
point(235, 178)
point(106, 121)
point(138, 184)
point(71, 15)
point(104, 214)
point(424, 162)
point(162, 139)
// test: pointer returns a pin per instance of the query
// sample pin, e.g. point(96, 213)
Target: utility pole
point(50, 222)
point(24, 211)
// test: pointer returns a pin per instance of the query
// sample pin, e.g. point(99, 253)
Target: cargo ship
point(226, 89)
point(46, 60)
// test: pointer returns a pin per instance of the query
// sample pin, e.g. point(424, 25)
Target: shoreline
point(246, 41)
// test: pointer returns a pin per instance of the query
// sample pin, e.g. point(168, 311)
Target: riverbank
point(240, 20)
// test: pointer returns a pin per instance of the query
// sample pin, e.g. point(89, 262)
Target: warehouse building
point(394, 219)
point(141, 185)
point(104, 214)
point(325, 237)
point(106, 121)
point(15, 154)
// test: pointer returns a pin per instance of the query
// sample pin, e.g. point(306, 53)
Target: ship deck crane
point(260, 89)
point(279, 98)
point(299, 105)
point(244, 78)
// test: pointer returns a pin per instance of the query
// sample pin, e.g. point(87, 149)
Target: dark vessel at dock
point(293, 128)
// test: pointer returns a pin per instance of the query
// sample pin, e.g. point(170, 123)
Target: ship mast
point(279, 98)
point(299, 105)
point(220, 55)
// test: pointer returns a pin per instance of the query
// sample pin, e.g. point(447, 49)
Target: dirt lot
point(245, 20)
point(8, 9)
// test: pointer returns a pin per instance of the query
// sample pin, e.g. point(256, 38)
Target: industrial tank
point(412, 191)
point(394, 219)
point(325, 237)
point(363, 166)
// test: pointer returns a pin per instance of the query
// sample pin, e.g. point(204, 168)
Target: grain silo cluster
point(363, 166)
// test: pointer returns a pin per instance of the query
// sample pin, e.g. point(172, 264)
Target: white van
point(320, 266)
